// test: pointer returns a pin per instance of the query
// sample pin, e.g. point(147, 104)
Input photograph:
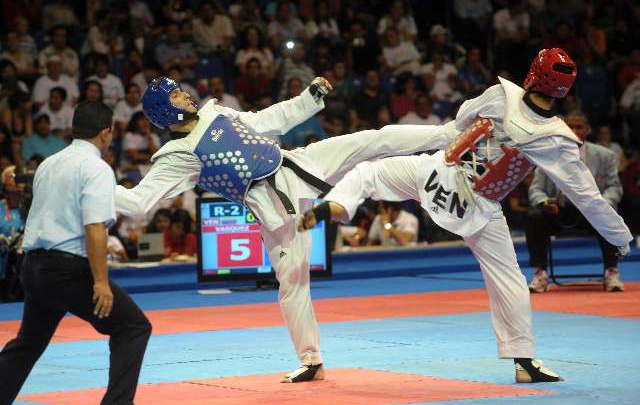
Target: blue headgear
point(157, 106)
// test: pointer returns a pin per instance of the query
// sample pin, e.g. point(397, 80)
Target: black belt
point(307, 177)
point(52, 253)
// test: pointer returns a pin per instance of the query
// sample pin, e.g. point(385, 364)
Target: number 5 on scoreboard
point(239, 249)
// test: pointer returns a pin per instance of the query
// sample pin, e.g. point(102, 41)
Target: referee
point(65, 269)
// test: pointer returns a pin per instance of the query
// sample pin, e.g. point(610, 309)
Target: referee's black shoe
point(533, 371)
point(306, 372)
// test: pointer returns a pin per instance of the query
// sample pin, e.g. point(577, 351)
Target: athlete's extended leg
point(508, 299)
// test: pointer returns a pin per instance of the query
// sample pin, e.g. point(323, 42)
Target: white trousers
point(289, 249)
point(395, 179)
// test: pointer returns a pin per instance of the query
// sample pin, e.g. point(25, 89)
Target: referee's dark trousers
point(56, 283)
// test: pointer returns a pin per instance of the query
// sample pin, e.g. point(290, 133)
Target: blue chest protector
point(233, 156)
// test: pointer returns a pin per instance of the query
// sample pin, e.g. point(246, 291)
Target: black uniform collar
point(536, 109)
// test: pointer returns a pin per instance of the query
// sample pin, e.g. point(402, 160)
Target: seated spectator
point(630, 69)
point(343, 80)
point(393, 226)
point(104, 36)
point(11, 220)
point(27, 43)
point(511, 31)
point(20, 59)
point(517, 206)
point(403, 101)
point(58, 13)
point(422, 114)
point(473, 20)
point(368, 100)
point(603, 138)
point(297, 135)
point(440, 41)
point(593, 88)
point(173, 51)
point(17, 115)
point(254, 47)
point(294, 66)
point(69, 57)
point(179, 239)
point(112, 89)
point(175, 72)
point(321, 59)
point(552, 211)
point(60, 114)
point(216, 90)
point(5, 141)
point(322, 24)
point(441, 71)
point(42, 142)
point(285, 27)
point(363, 49)
point(139, 142)
point(399, 19)
point(475, 76)
point(129, 228)
point(126, 108)
point(132, 66)
point(54, 78)
point(251, 85)
point(212, 30)
point(92, 90)
point(160, 222)
point(630, 108)
point(399, 56)
point(565, 39)
point(149, 72)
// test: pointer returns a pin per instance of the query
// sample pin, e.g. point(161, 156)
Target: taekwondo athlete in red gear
point(503, 133)
point(226, 152)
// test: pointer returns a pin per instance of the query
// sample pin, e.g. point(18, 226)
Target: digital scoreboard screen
point(230, 246)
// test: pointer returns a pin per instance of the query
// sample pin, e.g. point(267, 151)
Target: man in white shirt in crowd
point(216, 90)
point(212, 30)
point(393, 226)
point(60, 114)
point(69, 57)
point(54, 78)
point(422, 115)
point(126, 107)
point(112, 89)
point(399, 56)
point(65, 267)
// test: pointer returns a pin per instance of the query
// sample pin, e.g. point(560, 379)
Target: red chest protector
point(497, 168)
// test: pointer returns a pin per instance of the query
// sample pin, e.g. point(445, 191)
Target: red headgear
point(552, 72)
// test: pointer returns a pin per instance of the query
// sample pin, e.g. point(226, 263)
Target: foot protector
point(533, 371)
point(306, 372)
point(319, 213)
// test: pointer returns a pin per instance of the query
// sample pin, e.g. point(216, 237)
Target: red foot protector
point(342, 387)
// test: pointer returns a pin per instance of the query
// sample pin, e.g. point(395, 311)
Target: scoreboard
point(231, 248)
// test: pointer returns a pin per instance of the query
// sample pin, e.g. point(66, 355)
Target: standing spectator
point(139, 142)
point(58, 12)
point(400, 20)
point(212, 31)
point(474, 75)
point(295, 66)
point(251, 85)
point(27, 43)
point(422, 115)
point(363, 49)
point(253, 46)
point(173, 51)
point(368, 100)
point(69, 57)
point(322, 24)
point(399, 56)
point(297, 135)
point(216, 90)
point(60, 114)
point(285, 27)
point(393, 226)
point(92, 90)
point(112, 89)
point(126, 108)
point(42, 142)
point(178, 239)
point(54, 78)
point(21, 60)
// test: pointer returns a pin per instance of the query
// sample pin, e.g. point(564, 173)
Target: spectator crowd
point(407, 62)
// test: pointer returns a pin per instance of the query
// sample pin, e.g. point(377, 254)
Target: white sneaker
point(533, 371)
point(305, 372)
point(540, 282)
point(612, 280)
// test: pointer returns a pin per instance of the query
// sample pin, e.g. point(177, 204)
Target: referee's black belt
point(307, 177)
point(53, 254)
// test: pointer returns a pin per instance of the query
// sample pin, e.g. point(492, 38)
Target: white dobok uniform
point(176, 169)
point(444, 190)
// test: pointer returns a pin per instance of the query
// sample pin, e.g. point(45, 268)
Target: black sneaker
point(533, 371)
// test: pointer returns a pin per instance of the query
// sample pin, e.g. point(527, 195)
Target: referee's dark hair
point(89, 118)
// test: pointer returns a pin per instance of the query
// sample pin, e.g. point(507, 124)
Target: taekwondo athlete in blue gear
point(226, 151)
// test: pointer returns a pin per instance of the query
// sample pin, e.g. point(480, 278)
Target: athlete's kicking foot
point(533, 371)
point(324, 212)
point(306, 372)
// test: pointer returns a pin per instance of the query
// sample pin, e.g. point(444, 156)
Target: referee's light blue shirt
point(71, 189)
